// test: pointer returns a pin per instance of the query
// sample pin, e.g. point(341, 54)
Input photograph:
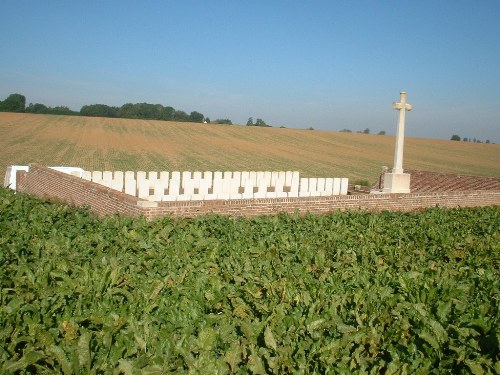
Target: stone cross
point(402, 107)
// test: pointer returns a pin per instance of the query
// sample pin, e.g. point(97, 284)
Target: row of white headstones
point(186, 186)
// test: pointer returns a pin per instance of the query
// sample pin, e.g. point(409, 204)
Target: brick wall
point(48, 183)
point(425, 181)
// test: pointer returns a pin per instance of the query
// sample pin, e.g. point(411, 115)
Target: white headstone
point(304, 187)
point(336, 186)
point(328, 187)
point(130, 183)
point(344, 183)
point(118, 180)
point(280, 187)
point(262, 185)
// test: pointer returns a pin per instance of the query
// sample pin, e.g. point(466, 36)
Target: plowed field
point(123, 144)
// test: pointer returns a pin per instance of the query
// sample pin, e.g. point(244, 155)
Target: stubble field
point(126, 144)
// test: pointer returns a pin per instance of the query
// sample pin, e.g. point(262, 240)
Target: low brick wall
point(51, 184)
point(425, 182)
point(48, 183)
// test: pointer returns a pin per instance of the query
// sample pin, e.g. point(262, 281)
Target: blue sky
point(326, 64)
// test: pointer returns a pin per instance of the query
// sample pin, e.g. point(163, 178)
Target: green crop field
point(348, 292)
point(123, 144)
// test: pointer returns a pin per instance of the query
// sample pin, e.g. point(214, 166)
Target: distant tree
point(99, 110)
point(310, 128)
point(223, 121)
point(125, 111)
point(43, 109)
point(382, 132)
point(475, 140)
point(366, 131)
point(250, 121)
point(465, 139)
point(196, 117)
point(152, 111)
point(260, 122)
point(181, 116)
point(346, 131)
point(207, 120)
point(142, 111)
point(282, 127)
point(488, 141)
point(13, 103)
point(166, 113)
point(62, 110)
point(455, 137)
point(130, 110)
point(36, 108)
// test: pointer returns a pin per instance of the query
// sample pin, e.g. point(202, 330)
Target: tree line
point(144, 111)
point(258, 122)
point(366, 131)
point(456, 137)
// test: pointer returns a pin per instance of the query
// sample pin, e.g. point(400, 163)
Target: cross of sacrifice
point(402, 107)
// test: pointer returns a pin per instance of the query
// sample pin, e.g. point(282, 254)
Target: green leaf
point(247, 329)
point(443, 310)
point(141, 343)
point(125, 367)
point(28, 359)
point(314, 325)
point(152, 370)
point(156, 290)
point(344, 328)
point(420, 308)
point(429, 338)
point(61, 358)
point(475, 367)
point(15, 365)
point(438, 331)
point(269, 338)
point(206, 338)
point(496, 366)
point(255, 364)
point(414, 274)
point(84, 351)
point(233, 356)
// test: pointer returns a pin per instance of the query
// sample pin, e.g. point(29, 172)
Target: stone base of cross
point(397, 181)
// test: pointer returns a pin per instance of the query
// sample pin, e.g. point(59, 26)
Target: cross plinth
point(397, 181)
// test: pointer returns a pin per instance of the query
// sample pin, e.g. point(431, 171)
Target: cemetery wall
point(55, 185)
point(52, 184)
point(426, 181)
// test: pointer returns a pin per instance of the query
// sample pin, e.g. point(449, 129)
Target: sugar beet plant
point(348, 292)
